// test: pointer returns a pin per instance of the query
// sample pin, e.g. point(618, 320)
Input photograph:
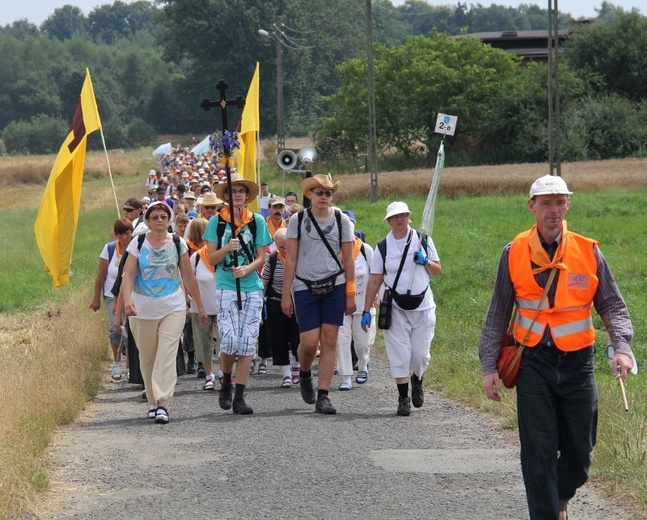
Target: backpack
point(220, 232)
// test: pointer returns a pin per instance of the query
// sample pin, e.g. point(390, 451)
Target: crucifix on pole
point(222, 103)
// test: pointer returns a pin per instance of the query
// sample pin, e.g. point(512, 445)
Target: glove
point(420, 257)
point(366, 320)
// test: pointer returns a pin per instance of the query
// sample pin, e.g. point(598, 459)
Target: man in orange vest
point(557, 399)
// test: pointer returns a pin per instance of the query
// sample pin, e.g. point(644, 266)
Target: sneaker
point(224, 399)
point(116, 370)
point(325, 406)
point(161, 415)
point(241, 407)
point(152, 411)
point(404, 406)
point(287, 382)
point(417, 392)
point(345, 385)
point(202, 373)
point(307, 390)
point(209, 384)
point(262, 368)
point(362, 377)
point(191, 368)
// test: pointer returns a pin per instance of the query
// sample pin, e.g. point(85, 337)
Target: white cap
point(396, 208)
point(152, 172)
point(549, 185)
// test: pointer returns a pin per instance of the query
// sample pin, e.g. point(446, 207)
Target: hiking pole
point(621, 384)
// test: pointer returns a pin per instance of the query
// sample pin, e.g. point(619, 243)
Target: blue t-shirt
point(224, 270)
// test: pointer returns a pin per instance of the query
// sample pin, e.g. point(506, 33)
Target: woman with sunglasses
point(324, 285)
point(156, 304)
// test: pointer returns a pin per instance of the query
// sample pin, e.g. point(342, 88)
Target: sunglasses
point(158, 217)
point(320, 193)
point(209, 207)
point(128, 210)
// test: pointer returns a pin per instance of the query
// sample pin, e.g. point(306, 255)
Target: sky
point(36, 11)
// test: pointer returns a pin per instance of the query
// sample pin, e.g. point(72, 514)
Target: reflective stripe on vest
point(570, 321)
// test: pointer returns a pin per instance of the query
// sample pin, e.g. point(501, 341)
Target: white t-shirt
point(362, 271)
point(206, 284)
point(113, 270)
point(157, 291)
point(394, 250)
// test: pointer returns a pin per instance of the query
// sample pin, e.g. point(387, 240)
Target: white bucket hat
point(396, 208)
point(549, 185)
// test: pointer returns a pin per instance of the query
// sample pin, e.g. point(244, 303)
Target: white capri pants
point(408, 341)
point(349, 331)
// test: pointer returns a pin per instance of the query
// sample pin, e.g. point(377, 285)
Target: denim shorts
point(313, 310)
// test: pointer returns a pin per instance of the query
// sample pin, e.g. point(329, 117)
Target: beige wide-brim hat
point(237, 178)
point(319, 181)
point(211, 199)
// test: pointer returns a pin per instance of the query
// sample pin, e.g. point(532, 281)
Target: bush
point(42, 134)
point(139, 133)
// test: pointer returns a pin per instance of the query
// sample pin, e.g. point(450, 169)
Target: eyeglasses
point(547, 204)
point(320, 193)
point(239, 192)
point(128, 210)
point(158, 217)
point(209, 207)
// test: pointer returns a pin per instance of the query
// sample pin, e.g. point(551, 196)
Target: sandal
point(287, 382)
point(262, 368)
point(209, 384)
point(295, 377)
point(362, 377)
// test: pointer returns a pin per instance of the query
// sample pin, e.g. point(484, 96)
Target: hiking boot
point(224, 399)
point(307, 390)
point(241, 407)
point(417, 392)
point(404, 406)
point(325, 406)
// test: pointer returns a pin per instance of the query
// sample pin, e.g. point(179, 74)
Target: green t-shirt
point(224, 270)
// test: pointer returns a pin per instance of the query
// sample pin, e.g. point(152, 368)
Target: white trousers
point(408, 341)
point(351, 330)
point(157, 342)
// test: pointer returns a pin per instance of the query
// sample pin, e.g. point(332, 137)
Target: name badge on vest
point(578, 281)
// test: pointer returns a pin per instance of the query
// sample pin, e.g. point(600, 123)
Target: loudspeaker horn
point(307, 155)
point(287, 160)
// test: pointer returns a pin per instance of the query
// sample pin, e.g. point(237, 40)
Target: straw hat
point(237, 178)
point(319, 181)
point(211, 199)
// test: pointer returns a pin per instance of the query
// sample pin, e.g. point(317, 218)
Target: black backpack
point(220, 232)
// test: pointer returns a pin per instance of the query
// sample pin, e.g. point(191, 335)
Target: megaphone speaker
point(287, 160)
point(307, 155)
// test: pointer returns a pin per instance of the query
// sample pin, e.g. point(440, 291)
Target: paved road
point(285, 461)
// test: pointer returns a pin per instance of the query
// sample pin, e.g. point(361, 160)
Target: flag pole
point(112, 182)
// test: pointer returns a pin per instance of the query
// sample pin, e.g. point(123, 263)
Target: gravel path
point(285, 461)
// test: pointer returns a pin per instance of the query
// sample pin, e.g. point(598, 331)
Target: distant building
point(528, 45)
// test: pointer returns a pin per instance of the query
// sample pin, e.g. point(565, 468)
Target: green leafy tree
point(66, 22)
point(613, 58)
point(42, 134)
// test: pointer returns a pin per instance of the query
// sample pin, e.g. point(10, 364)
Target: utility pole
point(372, 124)
point(280, 126)
point(554, 133)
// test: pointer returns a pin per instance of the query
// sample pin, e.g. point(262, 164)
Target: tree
point(613, 58)
point(42, 134)
point(416, 81)
point(66, 22)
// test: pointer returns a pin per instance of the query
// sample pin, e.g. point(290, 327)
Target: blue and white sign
point(446, 124)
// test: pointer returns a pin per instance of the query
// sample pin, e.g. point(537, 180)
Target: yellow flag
point(55, 226)
point(249, 128)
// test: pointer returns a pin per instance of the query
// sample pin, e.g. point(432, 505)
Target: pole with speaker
point(297, 161)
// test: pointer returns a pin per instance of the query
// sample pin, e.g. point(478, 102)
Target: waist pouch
point(409, 302)
point(323, 286)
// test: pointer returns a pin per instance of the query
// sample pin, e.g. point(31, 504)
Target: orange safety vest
point(570, 321)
